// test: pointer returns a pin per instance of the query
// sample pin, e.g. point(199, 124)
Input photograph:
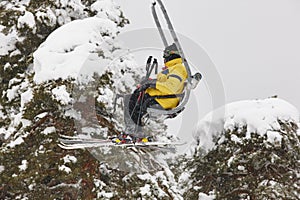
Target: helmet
point(170, 50)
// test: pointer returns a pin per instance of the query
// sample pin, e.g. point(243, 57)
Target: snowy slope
point(259, 116)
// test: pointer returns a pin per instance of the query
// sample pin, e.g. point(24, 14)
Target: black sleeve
point(151, 83)
point(147, 84)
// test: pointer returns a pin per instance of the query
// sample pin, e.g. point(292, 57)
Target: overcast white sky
point(254, 44)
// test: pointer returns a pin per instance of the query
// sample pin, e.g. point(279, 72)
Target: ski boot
point(116, 140)
point(122, 139)
point(145, 139)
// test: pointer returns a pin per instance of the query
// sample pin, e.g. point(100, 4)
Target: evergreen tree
point(34, 113)
point(248, 168)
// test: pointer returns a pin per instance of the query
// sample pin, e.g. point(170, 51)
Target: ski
point(152, 145)
point(77, 139)
point(73, 142)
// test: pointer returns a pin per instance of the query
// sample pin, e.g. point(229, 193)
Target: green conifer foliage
point(253, 168)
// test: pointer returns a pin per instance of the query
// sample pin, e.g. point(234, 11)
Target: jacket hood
point(173, 62)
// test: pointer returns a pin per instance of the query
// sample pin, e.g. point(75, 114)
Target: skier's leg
point(134, 107)
point(137, 108)
point(151, 102)
point(138, 105)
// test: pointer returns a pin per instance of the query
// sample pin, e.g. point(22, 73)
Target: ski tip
point(71, 147)
point(63, 146)
point(66, 136)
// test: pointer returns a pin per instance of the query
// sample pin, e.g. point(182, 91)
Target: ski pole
point(152, 67)
point(148, 63)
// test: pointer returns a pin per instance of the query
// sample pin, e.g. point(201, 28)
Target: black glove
point(142, 88)
point(147, 84)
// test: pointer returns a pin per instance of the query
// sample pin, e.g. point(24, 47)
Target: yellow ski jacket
point(169, 81)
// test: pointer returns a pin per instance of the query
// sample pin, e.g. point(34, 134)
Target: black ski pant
point(138, 104)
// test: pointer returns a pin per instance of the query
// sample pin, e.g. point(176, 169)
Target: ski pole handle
point(154, 64)
point(148, 63)
point(149, 59)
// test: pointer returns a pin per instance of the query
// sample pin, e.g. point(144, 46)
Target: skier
point(163, 93)
point(169, 83)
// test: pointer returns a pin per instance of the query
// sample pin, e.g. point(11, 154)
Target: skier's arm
point(147, 84)
point(163, 76)
point(172, 80)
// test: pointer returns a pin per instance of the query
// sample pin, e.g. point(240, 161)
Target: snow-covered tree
point(60, 65)
point(250, 153)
